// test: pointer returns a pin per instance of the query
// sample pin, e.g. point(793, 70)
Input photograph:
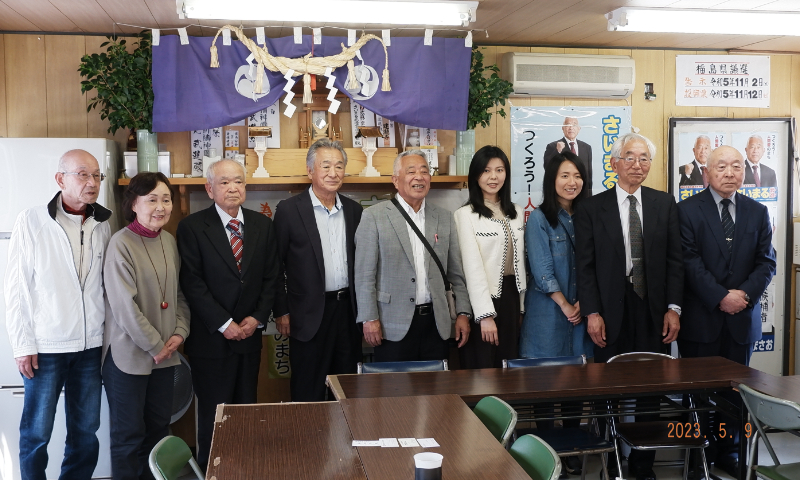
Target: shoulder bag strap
point(424, 242)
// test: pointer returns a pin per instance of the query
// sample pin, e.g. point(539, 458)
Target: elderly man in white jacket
point(55, 315)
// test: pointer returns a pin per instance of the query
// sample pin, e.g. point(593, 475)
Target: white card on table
point(408, 442)
point(366, 443)
point(389, 442)
point(427, 443)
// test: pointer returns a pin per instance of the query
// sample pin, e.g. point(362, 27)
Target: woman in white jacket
point(490, 235)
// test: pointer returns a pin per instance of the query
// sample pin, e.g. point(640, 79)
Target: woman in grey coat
point(147, 320)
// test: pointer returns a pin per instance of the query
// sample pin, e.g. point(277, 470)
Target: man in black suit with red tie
point(729, 260)
point(570, 141)
point(316, 305)
point(694, 173)
point(229, 269)
point(630, 268)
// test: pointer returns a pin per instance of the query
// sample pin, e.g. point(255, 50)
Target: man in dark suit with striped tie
point(729, 261)
point(570, 141)
point(229, 271)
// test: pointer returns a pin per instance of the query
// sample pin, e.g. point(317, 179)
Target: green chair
point(771, 412)
point(536, 457)
point(499, 418)
point(168, 458)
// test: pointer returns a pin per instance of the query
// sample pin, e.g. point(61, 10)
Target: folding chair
point(536, 457)
point(392, 367)
point(498, 416)
point(771, 412)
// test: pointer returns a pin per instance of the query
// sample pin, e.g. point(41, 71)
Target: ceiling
point(511, 22)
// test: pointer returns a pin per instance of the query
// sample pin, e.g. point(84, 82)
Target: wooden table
point(469, 450)
point(705, 376)
point(294, 441)
point(787, 388)
point(302, 441)
point(591, 381)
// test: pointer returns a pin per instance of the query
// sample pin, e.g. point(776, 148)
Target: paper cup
point(428, 466)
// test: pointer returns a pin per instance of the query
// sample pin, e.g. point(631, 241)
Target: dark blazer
point(695, 179)
point(302, 295)
point(213, 286)
point(584, 153)
point(766, 175)
point(600, 257)
point(711, 270)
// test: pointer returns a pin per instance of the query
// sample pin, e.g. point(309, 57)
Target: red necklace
point(163, 291)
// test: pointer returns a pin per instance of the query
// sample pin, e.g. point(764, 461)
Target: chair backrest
point(536, 457)
point(771, 411)
point(639, 356)
point(168, 458)
point(416, 366)
point(544, 362)
point(498, 416)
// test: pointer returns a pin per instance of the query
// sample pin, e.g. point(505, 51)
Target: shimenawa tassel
point(214, 59)
point(385, 85)
point(307, 89)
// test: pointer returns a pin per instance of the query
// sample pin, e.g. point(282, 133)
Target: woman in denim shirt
point(553, 324)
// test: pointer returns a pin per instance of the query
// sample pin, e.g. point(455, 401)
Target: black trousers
point(140, 410)
point(712, 424)
point(422, 342)
point(479, 354)
point(638, 334)
point(232, 379)
point(335, 349)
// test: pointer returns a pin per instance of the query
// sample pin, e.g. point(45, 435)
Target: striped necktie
point(727, 223)
point(237, 245)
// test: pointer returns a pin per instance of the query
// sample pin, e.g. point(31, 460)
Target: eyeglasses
point(97, 177)
point(629, 161)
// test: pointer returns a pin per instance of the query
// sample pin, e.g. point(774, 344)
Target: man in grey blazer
point(400, 291)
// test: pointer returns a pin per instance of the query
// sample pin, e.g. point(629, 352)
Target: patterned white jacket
point(483, 253)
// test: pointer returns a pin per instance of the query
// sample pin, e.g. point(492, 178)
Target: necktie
point(705, 176)
point(637, 249)
point(727, 223)
point(572, 147)
point(237, 246)
point(755, 177)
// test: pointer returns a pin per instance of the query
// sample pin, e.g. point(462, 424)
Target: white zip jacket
point(47, 308)
point(483, 255)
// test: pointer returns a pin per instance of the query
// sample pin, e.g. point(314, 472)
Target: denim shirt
point(551, 256)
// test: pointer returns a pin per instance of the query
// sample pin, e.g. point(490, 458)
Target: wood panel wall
point(40, 93)
point(651, 117)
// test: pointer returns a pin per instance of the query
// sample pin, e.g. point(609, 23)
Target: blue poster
point(539, 133)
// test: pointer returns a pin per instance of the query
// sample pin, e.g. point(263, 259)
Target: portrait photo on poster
point(765, 146)
point(540, 133)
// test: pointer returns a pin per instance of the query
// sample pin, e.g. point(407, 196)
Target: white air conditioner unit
point(558, 75)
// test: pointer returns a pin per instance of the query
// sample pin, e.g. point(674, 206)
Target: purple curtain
point(430, 84)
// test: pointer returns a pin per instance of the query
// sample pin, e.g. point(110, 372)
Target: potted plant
point(486, 90)
point(124, 92)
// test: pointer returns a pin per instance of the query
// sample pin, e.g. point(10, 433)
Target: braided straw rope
point(306, 65)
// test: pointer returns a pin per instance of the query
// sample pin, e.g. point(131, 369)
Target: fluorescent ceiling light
point(702, 21)
point(402, 12)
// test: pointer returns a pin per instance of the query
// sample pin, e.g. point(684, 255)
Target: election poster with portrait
point(766, 147)
point(540, 133)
